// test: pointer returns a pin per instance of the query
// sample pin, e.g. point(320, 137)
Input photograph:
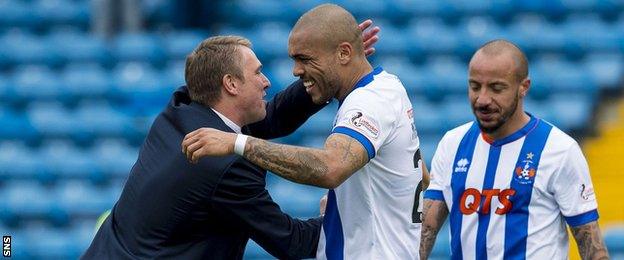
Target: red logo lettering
point(474, 204)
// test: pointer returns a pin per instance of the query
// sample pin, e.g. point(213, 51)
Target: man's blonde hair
point(206, 66)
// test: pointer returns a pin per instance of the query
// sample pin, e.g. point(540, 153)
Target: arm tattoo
point(296, 164)
point(307, 165)
point(589, 241)
point(434, 215)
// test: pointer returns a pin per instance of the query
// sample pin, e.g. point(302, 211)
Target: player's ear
point(344, 52)
point(230, 84)
point(525, 85)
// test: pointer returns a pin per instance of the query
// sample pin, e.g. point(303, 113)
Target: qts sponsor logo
point(473, 201)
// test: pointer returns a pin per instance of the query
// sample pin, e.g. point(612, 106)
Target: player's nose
point(298, 70)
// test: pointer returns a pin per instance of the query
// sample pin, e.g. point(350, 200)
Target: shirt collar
point(228, 122)
point(368, 78)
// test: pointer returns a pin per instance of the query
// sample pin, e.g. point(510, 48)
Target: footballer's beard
point(323, 90)
point(501, 121)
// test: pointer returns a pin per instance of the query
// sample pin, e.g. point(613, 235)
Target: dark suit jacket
point(170, 208)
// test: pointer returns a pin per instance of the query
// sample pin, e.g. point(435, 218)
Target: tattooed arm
point(589, 241)
point(327, 167)
point(434, 214)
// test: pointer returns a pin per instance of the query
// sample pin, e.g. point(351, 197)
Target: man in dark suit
point(209, 210)
point(170, 208)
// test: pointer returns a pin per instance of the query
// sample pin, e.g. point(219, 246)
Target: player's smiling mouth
point(308, 84)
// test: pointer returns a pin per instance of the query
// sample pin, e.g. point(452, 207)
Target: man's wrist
point(239, 144)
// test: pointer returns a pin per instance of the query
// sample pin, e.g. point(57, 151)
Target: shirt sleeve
point(367, 118)
point(241, 194)
point(438, 172)
point(573, 189)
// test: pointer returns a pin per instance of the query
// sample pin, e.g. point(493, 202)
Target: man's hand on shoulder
point(207, 142)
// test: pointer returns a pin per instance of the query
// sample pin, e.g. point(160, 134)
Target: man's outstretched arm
point(434, 215)
point(589, 241)
point(327, 167)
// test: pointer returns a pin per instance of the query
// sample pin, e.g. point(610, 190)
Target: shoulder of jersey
point(459, 131)
point(563, 139)
point(385, 87)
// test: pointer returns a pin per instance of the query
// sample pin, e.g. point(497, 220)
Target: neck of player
point(518, 120)
point(358, 72)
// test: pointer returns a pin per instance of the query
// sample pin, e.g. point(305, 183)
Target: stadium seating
point(74, 108)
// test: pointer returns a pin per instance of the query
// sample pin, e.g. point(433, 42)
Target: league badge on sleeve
point(364, 124)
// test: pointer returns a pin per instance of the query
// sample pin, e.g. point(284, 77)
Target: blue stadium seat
point(80, 80)
point(541, 89)
point(571, 111)
point(66, 161)
point(15, 126)
point(551, 8)
point(36, 83)
point(250, 12)
point(429, 117)
point(270, 40)
point(588, 32)
point(114, 157)
point(20, 47)
point(477, 30)
point(442, 247)
point(321, 123)
point(280, 73)
point(100, 119)
point(526, 28)
point(540, 109)
point(579, 6)
point(18, 14)
point(429, 144)
point(391, 45)
point(563, 76)
point(606, 69)
point(181, 43)
point(140, 85)
point(51, 243)
point(471, 8)
point(82, 233)
point(62, 12)
point(138, 47)
point(18, 163)
point(254, 252)
point(432, 36)
point(51, 120)
point(364, 8)
point(406, 9)
point(27, 200)
point(77, 46)
point(80, 199)
point(449, 73)
point(614, 238)
point(5, 88)
point(458, 110)
point(174, 73)
point(304, 205)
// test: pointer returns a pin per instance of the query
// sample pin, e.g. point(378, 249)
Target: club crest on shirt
point(365, 124)
point(525, 170)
